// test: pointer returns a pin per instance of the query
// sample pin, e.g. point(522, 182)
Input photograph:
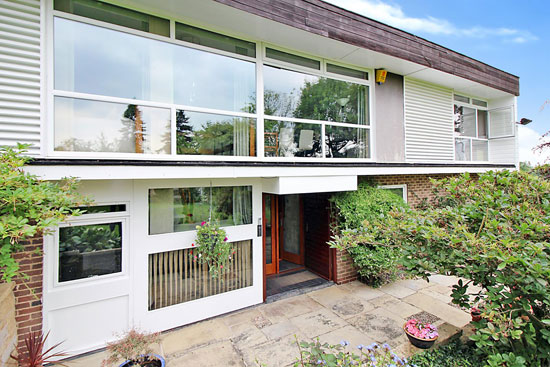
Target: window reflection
point(292, 139)
point(463, 150)
point(293, 94)
point(96, 60)
point(347, 142)
point(92, 126)
point(210, 134)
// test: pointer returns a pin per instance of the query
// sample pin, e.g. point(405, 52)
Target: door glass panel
point(291, 232)
point(268, 230)
point(89, 250)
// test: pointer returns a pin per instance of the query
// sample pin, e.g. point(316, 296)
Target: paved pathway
point(264, 334)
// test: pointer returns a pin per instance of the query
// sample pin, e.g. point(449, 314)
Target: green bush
point(495, 232)
point(28, 206)
point(355, 210)
point(454, 354)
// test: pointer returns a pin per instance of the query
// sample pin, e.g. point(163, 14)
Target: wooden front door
point(291, 234)
point(271, 233)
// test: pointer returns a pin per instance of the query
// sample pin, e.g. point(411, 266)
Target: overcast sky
point(508, 34)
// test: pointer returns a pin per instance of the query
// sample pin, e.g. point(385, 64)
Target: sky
point(511, 35)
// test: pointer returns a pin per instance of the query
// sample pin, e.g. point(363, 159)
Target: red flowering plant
point(421, 330)
point(212, 248)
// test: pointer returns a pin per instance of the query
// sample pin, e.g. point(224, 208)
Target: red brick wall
point(418, 188)
point(28, 292)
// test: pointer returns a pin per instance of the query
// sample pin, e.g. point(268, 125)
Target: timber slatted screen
point(174, 277)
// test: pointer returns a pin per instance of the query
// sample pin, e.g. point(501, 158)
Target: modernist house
point(253, 110)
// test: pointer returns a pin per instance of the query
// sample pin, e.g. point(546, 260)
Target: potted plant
point(134, 348)
point(421, 335)
point(33, 353)
point(475, 313)
point(213, 248)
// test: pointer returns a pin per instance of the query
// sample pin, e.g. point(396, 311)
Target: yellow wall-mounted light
point(381, 76)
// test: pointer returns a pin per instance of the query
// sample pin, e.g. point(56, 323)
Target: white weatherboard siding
point(428, 122)
point(20, 73)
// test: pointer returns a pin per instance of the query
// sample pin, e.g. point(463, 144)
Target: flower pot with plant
point(475, 313)
point(33, 353)
point(213, 249)
point(421, 335)
point(134, 348)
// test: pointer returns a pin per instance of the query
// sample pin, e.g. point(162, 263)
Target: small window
point(463, 99)
point(115, 15)
point(100, 209)
point(479, 103)
point(399, 190)
point(336, 69)
point(292, 59)
point(89, 250)
point(206, 38)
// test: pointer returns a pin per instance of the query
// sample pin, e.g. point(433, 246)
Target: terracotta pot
point(420, 343)
point(476, 316)
point(155, 361)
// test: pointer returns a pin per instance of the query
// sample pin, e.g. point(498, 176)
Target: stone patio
point(265, 334)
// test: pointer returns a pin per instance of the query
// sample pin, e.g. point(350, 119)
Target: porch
point(264, 334)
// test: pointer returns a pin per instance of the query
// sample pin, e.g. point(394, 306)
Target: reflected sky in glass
point(96, 60)
point(92, 126)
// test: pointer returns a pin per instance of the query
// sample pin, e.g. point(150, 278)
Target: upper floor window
point(471, 129)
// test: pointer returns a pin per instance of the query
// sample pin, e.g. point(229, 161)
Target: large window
point(186, 91)
point(471, 129)
point(182, 209)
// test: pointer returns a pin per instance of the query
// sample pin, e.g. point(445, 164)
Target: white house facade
point(168, 111)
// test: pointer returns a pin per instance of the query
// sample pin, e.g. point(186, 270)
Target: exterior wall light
point(524, 121)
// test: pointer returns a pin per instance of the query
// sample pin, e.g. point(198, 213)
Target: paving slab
point(239, 317)
point(290, 307)
point(445, 280)
point(351, 306)
point(318, 322)
point(400, 308)
point(414, 284)
point(274, 353)
point(202, 333)
point(330, 296)
point(213, 355)
point(348, 333)
point(397, 290)
point(379, 325)
point(279, 330)
point(246, 335)
point(452, 315)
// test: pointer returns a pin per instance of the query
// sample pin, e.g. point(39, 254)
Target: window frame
point(456, 136)
point(396, 186)
point(260, 60)
point(122, 217)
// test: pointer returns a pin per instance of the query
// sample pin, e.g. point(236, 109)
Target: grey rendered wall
point(389, 120)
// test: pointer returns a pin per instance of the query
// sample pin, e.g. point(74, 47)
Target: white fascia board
point(85, 172)
point(311, 184)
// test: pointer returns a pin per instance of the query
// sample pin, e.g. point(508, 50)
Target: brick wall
point(28, 293)
point(8, 327)
point(418, 188)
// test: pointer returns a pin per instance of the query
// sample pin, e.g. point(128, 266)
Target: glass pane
point(96, 209)
point(291, 232)
point(96, 60)
point(462, 98)
point(209, 134)
point(293, 59)
point(268, 230)
point(477, 102)
point(396, 190)
point(182, 209)
point(347, 142)
point(480, 150)
point(116, 15)
point(89, 250)
point(174, 276)
point(293, 94)
point(482, 124)
point(292, 139)
point(502, 122)
point(337, 69)
point(91, 126)
point(203, 37)
point(462, 150)
point(465, 121)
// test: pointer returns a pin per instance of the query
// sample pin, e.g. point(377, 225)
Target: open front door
point(291, 235)
point(270, 234)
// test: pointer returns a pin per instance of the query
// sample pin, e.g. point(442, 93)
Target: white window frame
point(400, 186)
point(476, 108)
point(258, 116)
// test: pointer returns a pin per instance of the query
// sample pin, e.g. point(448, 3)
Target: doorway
point(295, 235)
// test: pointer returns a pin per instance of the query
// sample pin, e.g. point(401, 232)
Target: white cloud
point(393, 15)
point(528, 139)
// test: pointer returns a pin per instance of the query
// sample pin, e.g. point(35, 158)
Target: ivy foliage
point(355, 211)
point(29, 206)
point(495, 232)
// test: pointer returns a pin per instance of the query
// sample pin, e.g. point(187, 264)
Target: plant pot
point(155, 361)
point(476, 316)
point(420, 343)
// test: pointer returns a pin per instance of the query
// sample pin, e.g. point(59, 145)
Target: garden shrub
point(28, 206)
point(355, 210)
point(495, 232)
point(454, 354)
